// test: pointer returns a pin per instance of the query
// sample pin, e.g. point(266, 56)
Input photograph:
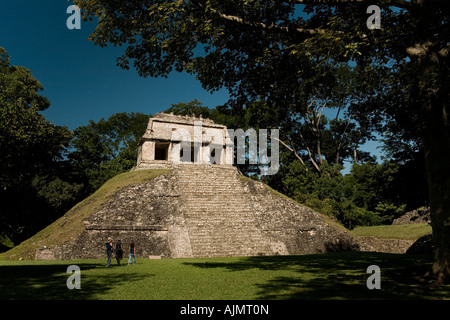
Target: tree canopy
point(24, 133)
point(102, 149)
point(45, 168)
point(30, 147)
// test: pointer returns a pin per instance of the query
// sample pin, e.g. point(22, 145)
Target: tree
point(101, 150)
point(335, 140)
point(265, 50)
point(30, 146)
point(192, 108)
point(24, 133)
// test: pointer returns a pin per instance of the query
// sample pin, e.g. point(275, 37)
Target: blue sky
point(79, 78)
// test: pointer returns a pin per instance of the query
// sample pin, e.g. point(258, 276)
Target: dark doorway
point(161, 151)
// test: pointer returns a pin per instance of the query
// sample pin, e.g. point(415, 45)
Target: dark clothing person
point(109, 250)
point(119, 251)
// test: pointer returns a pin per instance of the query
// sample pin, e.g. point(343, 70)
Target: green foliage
point(5, 243)
point(19, 89)
point(60, 195)
point(368, 195)
point(192, 108)
point(105, 148)
point(390, 211)
point(30, 147)
point(124, 161)
point(378, 187)
point(46, 169)
point(24, 133)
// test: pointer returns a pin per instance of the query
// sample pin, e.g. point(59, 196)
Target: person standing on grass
point(109, 250)
point(119, 251)
point(132, 251)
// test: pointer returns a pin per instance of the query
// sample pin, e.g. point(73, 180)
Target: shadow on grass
point(49, 281)
point(338, 276)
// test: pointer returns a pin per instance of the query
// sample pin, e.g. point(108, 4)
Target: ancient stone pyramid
point(200, 210)
point(203, 211)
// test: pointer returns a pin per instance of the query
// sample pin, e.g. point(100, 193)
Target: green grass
point(71, 224)
point(323, 276)
point(406, 232)
point(5, 243)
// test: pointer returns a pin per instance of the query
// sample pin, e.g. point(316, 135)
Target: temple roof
point(170, 117)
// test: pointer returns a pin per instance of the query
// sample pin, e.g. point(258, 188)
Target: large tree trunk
point(436, 143)
point(432, 88)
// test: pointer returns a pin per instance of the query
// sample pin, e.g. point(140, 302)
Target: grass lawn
point(323, 276)
point(405, 231)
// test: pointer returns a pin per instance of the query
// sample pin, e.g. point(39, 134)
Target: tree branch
point(310, 154)
point(422, 49)
point(264, 25)
point(444, 51)
point(339, 146)
point(395, 3)
point(293, 151)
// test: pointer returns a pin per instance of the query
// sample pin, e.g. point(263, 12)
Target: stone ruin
point(203, 208)
point(171, 139)
point(421, 215)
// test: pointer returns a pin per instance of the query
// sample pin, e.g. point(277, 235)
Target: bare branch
point(339, 146)
point(310, 154)
point(126, 143)
point(293, 151)
point(323, 107)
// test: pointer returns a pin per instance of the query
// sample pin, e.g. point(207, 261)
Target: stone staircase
point(218, 212)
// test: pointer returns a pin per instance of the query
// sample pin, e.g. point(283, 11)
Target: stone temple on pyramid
point(199, 206)
point(170, 140)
